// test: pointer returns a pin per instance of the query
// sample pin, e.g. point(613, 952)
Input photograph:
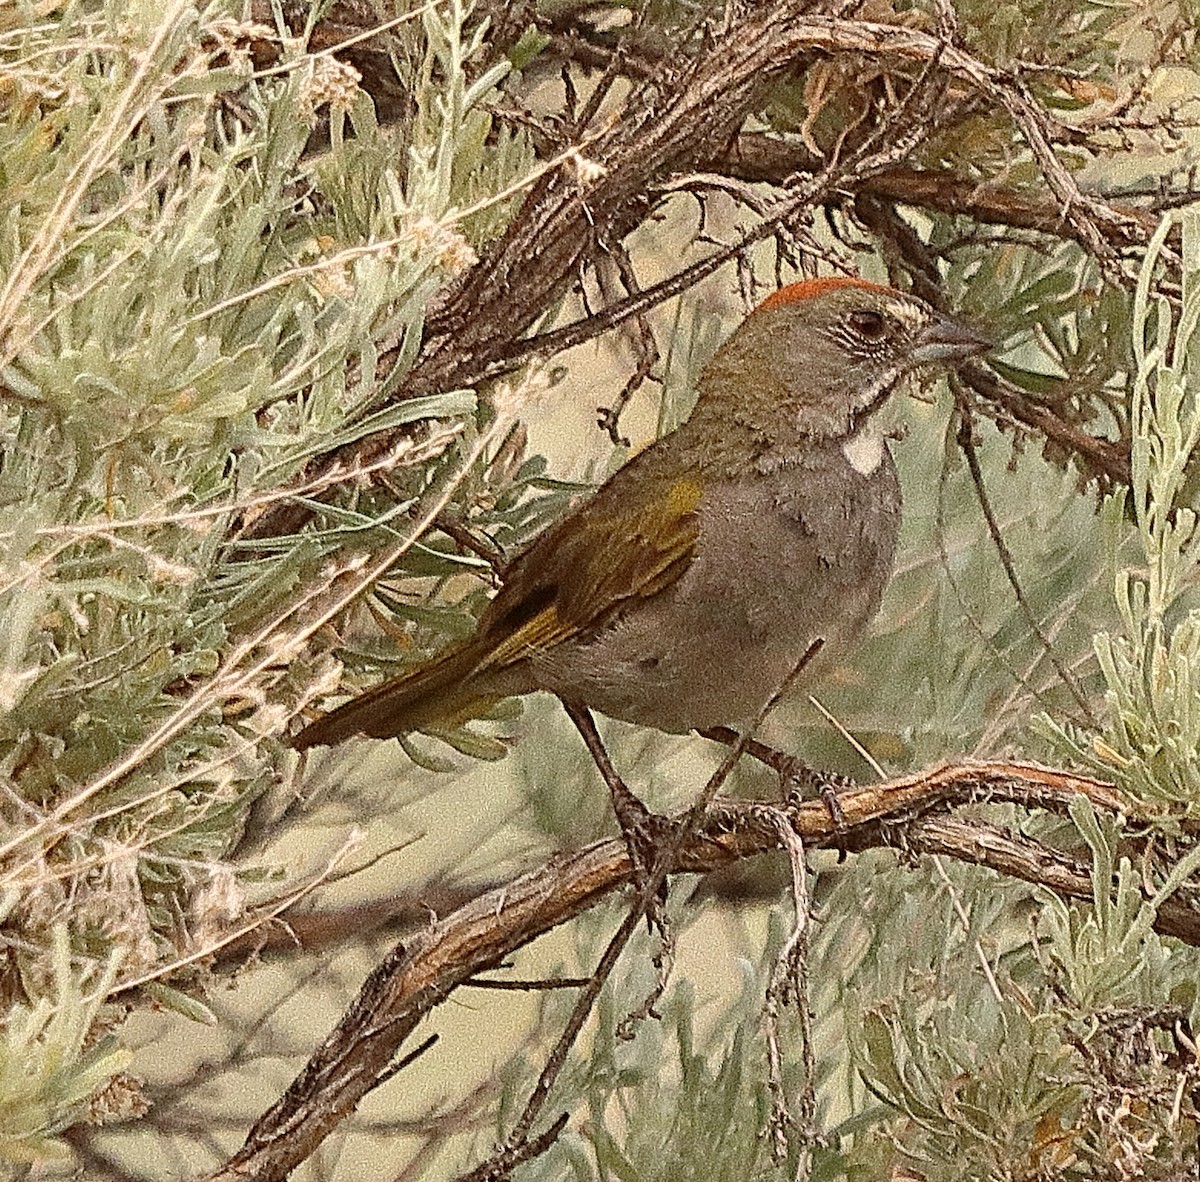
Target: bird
point(690, 585)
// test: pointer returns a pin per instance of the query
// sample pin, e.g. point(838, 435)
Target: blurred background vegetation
point(260, 375)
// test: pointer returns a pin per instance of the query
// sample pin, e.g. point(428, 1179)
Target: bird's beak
point(947, 339)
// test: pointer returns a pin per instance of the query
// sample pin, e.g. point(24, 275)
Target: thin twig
point(789, 984)
point(528, 986)
point(566, 1040)
point(966, 443)
point(405, 1061)
point(965, 920)
point(507, 1160)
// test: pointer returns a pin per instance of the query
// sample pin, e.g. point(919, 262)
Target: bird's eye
point(869, 325)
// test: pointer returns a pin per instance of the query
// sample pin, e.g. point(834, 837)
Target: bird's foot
point(645, 835)
point(644, 831)
point(798, 782)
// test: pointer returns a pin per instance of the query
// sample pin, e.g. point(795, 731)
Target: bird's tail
point(439, 694)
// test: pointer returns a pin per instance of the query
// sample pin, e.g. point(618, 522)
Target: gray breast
point(793, 555)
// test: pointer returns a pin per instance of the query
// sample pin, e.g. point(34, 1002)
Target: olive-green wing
point(631, 541)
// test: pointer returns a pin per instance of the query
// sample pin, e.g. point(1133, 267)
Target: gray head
point(816, 358)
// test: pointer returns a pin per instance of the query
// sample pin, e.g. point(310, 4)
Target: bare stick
point(966, 444)
point(789, 983)
point(505, 1163)
point(566, 1040)
point(417, 976)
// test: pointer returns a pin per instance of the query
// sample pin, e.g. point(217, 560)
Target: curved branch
point(1108, 458)
point(418, 975)
point(762, 158)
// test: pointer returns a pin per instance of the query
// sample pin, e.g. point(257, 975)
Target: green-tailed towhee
point(685, 591)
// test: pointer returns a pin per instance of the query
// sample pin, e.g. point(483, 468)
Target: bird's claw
point(645, 835)
point(799, 782)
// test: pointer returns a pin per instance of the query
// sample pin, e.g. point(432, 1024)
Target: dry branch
point(419, 974)
point(679, 120)
point(768, 159)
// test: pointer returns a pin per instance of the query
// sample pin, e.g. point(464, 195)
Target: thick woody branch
point(661, 130)
point(664, 130)
point(418, 975)
point(758, 157)
point(1020, 857)
point(1094, 222)
point(559, 218)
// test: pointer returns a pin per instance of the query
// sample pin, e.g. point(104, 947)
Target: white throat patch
point(865, 450)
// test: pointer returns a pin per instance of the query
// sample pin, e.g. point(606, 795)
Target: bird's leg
point(795, 776)
point(637, 822)
point(629, 810)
